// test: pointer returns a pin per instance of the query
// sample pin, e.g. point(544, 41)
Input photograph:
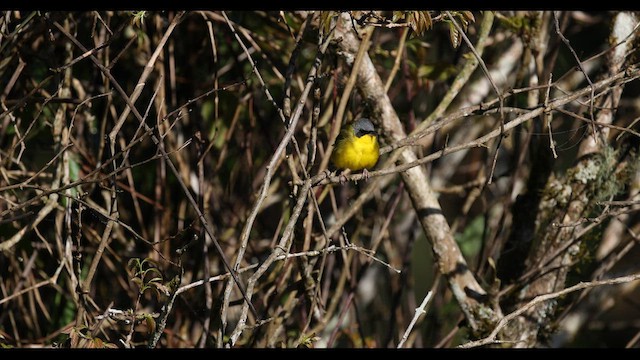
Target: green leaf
point(151, 323)
point(134, 264)
point(152, 271)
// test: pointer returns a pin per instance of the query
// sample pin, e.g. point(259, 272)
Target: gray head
point(363, 126)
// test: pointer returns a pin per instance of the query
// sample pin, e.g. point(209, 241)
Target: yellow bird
point(356, 147)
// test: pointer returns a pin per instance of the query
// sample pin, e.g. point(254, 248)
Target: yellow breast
point(356, 153)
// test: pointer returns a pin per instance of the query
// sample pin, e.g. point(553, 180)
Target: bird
point(356, 147)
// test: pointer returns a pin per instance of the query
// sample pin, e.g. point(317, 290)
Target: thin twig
point(495, 88)
point(582, 118)
point(145, 74)
point(396, 63)
point(586, 76)
point(549, 117)
point(52, 280)
point(419, 312)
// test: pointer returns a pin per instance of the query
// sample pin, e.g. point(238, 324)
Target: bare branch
point(491, 338)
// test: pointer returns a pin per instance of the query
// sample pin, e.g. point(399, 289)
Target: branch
point(271, 167)
point(423, 129)
point(591, 103)
point(311, 253)
point(419, 311)
point(542, 298)
point(450, 261)
point(284, 243)
point(165, 156)
point(631, 73)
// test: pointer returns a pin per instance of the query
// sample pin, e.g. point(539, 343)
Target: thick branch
point(451, 263)
point(581, 186)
